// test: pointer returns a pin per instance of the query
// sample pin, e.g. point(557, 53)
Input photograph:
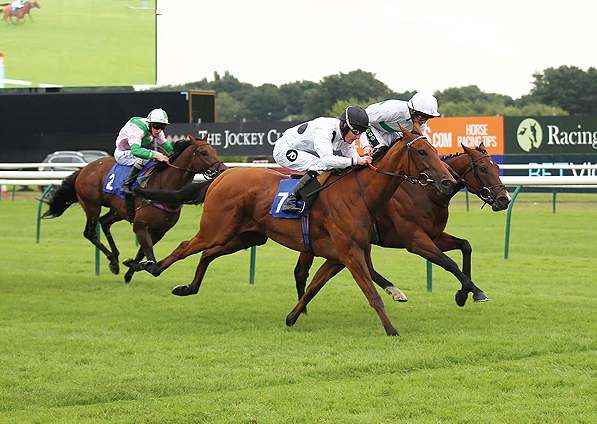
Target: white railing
point(9, 174)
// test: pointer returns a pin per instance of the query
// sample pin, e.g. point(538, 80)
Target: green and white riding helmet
point(424, 104)
point(158, 116)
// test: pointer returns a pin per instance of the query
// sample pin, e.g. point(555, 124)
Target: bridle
point(208, 173)
point(482, 190)
point(422, 178)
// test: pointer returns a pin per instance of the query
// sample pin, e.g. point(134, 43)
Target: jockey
point(384, 118)
point(17, 4)
point(309, 147)
point(133, 144)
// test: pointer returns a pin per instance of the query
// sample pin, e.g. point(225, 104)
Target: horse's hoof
point(480, 297)
point(183, 291)
point(114, 268)
point(289, 321)
point(396, 294)
point(128, 276)
point(461, 297)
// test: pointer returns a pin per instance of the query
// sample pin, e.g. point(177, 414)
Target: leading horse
point(237, 204)
point(20, 12)
point(150, 222)
point(415, 218)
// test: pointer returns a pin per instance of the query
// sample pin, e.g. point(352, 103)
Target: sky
point(409, 46)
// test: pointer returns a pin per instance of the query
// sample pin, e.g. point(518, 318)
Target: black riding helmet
point(353, 118)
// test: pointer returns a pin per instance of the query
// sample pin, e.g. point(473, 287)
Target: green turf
point(80, 348)
point(84, 43)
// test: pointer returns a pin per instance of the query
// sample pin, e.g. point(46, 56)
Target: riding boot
point(132, 177)
point(291, 205)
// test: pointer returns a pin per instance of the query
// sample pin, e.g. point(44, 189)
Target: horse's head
point(483, 178)
point(205, 158)
point(424, 163)
point(35, 4)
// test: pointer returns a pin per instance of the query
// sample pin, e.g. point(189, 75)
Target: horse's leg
point(129, 274)
point(447, 242)
point(240, 241)
point(106, 222)
point(423, 246)
point(216, 231)
point(322, 276)
point(397, 294)
point(301, 273)
point(90, 233)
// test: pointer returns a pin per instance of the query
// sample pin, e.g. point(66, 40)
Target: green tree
point(567, 87)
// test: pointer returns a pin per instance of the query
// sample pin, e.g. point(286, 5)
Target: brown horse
point(150, 223)
point(20, 13)
point(415, 219)
point(237, 204)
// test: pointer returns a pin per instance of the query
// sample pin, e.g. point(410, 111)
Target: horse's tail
point(191, 194)
point(63, 197)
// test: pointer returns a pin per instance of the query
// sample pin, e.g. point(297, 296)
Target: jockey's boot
point(126, 187)
point(291, 205)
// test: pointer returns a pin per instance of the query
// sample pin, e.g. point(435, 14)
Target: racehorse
point(20, 13)
point(415, 219)
point(237, 204)
point(150, 223)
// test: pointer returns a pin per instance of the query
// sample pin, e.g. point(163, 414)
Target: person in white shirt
point(309, 147)
point(385, 118)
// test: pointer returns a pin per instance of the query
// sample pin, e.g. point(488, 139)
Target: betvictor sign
point(234, 138)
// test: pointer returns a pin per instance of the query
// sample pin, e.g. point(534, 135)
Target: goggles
point(158, 126)
point(423, 116)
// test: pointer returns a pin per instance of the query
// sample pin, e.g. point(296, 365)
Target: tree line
point(566, 90)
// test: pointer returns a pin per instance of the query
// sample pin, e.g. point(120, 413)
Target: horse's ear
point(404, 131)
point(481, 148)
point(205, 137)
point(466, 149)
point(193, 140)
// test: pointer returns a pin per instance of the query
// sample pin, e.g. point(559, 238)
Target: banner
point(551, 135)
point(447, 134)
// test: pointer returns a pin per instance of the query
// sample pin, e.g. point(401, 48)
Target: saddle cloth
point(117, 175)
point(285, 187)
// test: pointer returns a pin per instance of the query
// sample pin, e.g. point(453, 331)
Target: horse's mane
point(454, 155)
point(179, 147)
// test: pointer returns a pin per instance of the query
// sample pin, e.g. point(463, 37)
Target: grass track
point(78, 348)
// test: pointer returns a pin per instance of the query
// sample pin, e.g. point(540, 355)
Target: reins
point(208, 173)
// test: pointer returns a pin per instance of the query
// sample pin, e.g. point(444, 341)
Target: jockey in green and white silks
point(135, 140)
point(385, 116)
point(17, 4)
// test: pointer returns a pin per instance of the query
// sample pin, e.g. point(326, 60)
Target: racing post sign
point(447, 134)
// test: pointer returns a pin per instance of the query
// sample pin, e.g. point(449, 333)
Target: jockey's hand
point(368, 150)
point(160, 157)
point(364, 160)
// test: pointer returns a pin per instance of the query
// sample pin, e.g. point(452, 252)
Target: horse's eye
point(483, 170)
point(203, 153)
point(422, 152)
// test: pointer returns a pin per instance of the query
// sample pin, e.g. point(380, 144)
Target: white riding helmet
point(424, 103)
point(158, 116)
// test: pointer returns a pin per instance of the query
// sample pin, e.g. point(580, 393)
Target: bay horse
point(237, 204)
point(415, 218)
point(150, 224)
point(20, 13)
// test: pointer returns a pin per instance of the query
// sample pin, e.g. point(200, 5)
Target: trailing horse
point(237, 205)
point(150, 222)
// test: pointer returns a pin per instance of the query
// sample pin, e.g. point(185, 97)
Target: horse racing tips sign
point(447, 134)
point(551, 135)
